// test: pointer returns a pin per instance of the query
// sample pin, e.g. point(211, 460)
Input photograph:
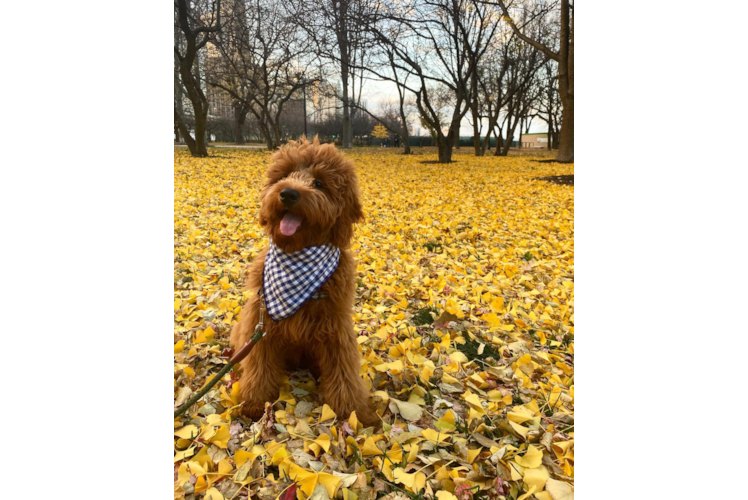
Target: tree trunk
point(454, 134)
point(183, 129)
point(406, 135)
point(565, 58)
point(521, 126)
point(278, 136)
point(268, 136)
point(504, 150)
point(201, 117)
point(444, 149)
point(566, 85)
point(201, 123)
point(566, 139)
point(342, 35)
point(265, 132)
point(240, 114)
point(474, 111)
point(486, 144)
point(178, 104)
point(200, 108)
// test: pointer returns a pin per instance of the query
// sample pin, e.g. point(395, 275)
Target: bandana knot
point(290, 279)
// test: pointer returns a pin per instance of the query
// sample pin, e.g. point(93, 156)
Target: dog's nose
point(289, 196)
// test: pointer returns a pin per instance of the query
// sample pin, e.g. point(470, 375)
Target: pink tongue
point(289, 224)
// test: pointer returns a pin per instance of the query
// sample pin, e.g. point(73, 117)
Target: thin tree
point(549, 105)
point(395, 121)
point(196, 23)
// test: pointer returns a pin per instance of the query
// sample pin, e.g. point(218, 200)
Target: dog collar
point(290, 279)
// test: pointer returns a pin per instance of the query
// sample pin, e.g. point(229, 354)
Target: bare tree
point(196, 23)
point(262, 63)
point(394, 120)
point(504, 91)
point(565, 58)
point(438, 43)
point(549, 105)
point(332, 27)
point(522, 97)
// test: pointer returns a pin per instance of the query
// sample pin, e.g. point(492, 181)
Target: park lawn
point(465, 318)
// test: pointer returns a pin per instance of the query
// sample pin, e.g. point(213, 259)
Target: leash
point(237, 357)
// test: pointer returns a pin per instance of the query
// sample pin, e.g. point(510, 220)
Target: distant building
point(219, 104)
point(324, 101)
point(536, 140)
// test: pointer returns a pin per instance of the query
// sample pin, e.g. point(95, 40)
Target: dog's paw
point(369, 418)
point(254, 411)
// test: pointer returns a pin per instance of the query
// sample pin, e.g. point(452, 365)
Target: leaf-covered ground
point(464, 314)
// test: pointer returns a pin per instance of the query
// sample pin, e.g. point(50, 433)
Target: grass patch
point(471, 347)
point(424, 316)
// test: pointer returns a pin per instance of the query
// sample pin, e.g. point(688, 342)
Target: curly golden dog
point(307, 279)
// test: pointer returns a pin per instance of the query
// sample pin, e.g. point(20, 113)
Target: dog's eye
point(318, 184)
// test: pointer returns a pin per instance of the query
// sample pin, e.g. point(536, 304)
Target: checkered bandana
point(290, 279)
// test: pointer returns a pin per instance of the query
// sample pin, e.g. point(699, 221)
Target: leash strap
point(260, 331)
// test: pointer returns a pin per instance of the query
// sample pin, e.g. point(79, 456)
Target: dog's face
point(310, 197)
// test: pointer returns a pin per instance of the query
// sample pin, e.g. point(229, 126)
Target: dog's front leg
point(243, 329)
point(263, 372)
point(342, 386)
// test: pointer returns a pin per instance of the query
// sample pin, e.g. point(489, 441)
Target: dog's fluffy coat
point(320, 335)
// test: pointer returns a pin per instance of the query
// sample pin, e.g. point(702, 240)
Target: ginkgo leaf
point(370, 448)
point(395, 367)
point(330, 482)
point(327, 414)
point(497, 305)
point(528, 494)
point(324, 442)
point(520, 429)
point(520, 415)
point(531, 459)
point(459, 357)
point(559, 490)
point(409, 411)
point(537, 477)
point(415, 481)
point(242, 456)
point(445, 495)
point(187, 432)
point(435, 436)
point(221, 437)
point(213, 494)
point(492, 319)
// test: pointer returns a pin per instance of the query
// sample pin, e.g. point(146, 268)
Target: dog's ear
point(357, 211)
point(342, 232)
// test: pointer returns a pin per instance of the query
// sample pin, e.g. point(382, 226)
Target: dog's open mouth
point(290, 223)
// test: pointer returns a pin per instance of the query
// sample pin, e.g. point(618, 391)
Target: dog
point(305, 282)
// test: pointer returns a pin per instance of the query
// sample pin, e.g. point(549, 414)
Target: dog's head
point(310, 197)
